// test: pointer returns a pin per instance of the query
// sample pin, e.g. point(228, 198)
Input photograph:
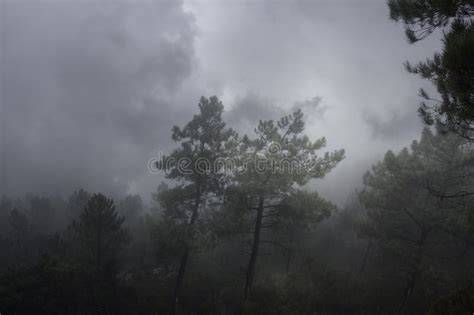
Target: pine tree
point(452, 70)
point(99, 234)
point(409, 223)
point(203, 141)
point(269, 168)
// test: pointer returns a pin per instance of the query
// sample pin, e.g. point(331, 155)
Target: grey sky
point(90, 90)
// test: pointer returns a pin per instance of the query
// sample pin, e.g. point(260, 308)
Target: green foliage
point(409, 217)
point(404, 246)
point(452, 74)
point(264, 195)
point(42, 214)
point(422, 17)
point(203, 141)
point(77, 201)
point(401, 191)
point(303, 208)
point(18, 222)
point(131, 207)
point(452, 70)
point(99, 233)
point(20, 236)
point(280, 157)
point(271, 165)
point(204, 138)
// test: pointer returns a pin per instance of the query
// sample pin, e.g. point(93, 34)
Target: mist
point(345, 190)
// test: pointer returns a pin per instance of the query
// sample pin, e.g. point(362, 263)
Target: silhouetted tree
point(131, 208)
point(268, 170)
point(413, 226)
point(76, 202)
point(20, 235)
point(42, 214)
point(203, 141)
point(99, 233)
point(452, 70)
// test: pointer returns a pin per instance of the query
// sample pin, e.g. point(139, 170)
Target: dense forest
point(235, 228)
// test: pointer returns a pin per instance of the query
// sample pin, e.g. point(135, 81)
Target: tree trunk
point(98, 253)
point(289, 252)
point(366, 256)
point(255, 248)
point(414, 274)
point(184, 258)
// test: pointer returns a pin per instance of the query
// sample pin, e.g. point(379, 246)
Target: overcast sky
point(90, 90)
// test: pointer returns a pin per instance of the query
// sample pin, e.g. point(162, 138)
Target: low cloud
point(89, 90)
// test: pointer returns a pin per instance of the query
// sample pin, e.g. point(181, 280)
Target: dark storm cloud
point(348, 52)
point(89, 90)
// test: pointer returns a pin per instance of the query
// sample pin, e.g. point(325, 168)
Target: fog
point(90, 91)
point(376, 218)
